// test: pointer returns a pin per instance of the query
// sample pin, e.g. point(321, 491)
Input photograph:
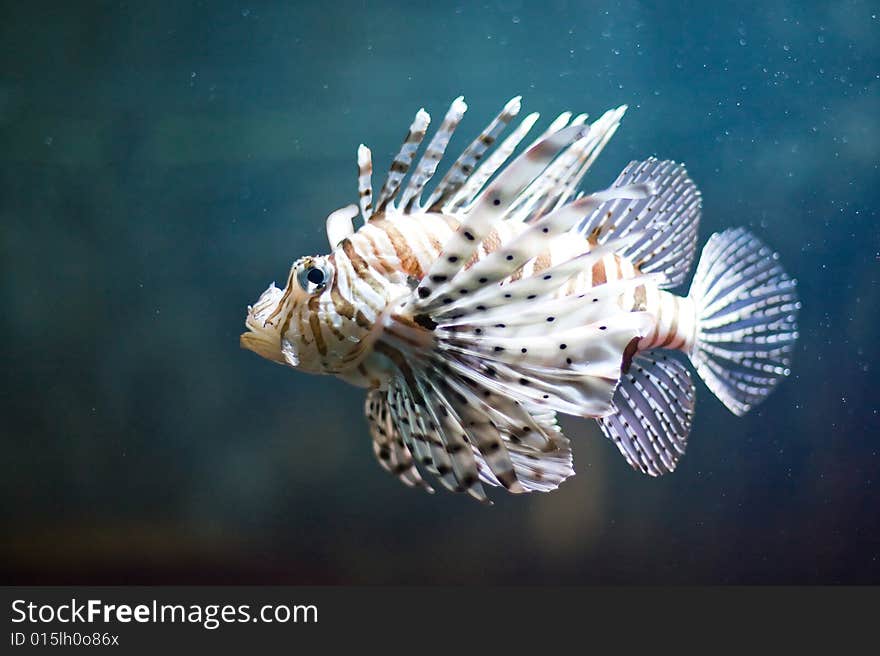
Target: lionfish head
point(299, 326)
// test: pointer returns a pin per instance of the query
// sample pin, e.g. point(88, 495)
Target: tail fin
point(746, 308)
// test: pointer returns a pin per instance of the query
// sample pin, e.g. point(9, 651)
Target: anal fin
point(653, 408)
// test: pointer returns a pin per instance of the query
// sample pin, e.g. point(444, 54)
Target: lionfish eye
point(313, 279)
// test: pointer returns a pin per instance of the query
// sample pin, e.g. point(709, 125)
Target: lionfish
point(476, 311)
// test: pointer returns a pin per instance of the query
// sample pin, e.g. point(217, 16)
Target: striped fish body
point(476, 312)
point(391, 250)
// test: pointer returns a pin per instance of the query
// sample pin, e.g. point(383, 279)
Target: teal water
point(161, 163)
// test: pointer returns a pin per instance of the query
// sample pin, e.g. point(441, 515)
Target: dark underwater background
point(162, 162)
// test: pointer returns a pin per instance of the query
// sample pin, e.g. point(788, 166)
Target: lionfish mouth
point(263, 335)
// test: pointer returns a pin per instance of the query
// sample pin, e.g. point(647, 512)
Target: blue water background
point(162, 162)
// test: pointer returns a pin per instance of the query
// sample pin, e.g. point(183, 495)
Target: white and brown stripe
point(674, 320)
point(365, 184)
point(389, 254)
point(403, 160)
point(416, 244)
point(464, 165)
point(427, 165)
point(477, 180)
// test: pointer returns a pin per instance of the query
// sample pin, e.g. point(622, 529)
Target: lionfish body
point(476, 312)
